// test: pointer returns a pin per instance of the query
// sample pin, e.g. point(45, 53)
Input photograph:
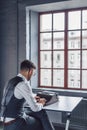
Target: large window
point(63, 49)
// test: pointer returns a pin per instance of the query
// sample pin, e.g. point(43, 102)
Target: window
point(63, 49)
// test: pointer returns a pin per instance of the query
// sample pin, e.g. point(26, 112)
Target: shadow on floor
point(71, 127)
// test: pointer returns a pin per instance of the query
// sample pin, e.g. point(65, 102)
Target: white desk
point(65, 104)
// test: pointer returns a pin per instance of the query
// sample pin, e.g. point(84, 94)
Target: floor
point(62, 127)
point(59, 128)
point(1, 128)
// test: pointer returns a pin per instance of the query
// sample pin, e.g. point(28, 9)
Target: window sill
point(77, 93)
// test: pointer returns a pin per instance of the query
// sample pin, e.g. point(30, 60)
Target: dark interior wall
point(8, 41)
point(12, 39)
point(35, 2)
point(21, 45)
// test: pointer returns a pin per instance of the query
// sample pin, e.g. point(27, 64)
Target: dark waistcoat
point(11, 106)
point(14, 107)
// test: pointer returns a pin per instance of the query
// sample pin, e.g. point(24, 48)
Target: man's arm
point(23, 90)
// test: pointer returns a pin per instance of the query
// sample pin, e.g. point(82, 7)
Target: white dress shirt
point(23, 90)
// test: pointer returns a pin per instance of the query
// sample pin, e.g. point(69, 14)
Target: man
point(16, 92)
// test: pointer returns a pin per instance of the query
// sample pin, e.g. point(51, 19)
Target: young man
point(16, 92)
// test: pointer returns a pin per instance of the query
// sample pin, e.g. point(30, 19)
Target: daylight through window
point(63, 49)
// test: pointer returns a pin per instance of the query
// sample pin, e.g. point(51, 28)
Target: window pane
point(58, 40)
point(45, 77)
point(45, 59)
point(84, 39)
point(58, 59)
point(45, 41)
point(84, 79)
point(74, 18)
point(84, 59)
point(74, 40)
point(46, 22)
point(74, 78)
point(74, 59)
point(58, 78)
point(84, 19)
point(58, 21)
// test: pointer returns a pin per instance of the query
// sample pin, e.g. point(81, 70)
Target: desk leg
point(67, 122)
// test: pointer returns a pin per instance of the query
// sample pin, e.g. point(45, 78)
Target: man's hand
point(37, 98)
point(40, 100)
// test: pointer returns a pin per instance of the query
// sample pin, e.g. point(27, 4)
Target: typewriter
point(51, 97)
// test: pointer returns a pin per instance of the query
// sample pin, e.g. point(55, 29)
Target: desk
point(65, 104)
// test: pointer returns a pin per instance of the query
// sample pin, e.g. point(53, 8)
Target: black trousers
point(43, 117)
point(33, 121)
point(30, 123)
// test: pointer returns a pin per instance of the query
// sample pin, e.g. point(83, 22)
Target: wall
point(33, 2)
point(8, 41)
point(21, 33)
point(12, 39)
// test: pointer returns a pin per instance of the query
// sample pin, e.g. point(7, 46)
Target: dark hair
point(26, 64)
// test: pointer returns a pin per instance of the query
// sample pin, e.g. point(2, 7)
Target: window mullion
point(52, 52)
point(66, 52)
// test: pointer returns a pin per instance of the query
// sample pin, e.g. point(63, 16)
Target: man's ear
point(30, 71)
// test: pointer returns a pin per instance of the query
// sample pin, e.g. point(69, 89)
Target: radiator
point(79, 115)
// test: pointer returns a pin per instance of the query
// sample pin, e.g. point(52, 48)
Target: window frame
point(66, 68)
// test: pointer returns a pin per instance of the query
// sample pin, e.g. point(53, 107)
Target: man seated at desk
point(16, 92)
